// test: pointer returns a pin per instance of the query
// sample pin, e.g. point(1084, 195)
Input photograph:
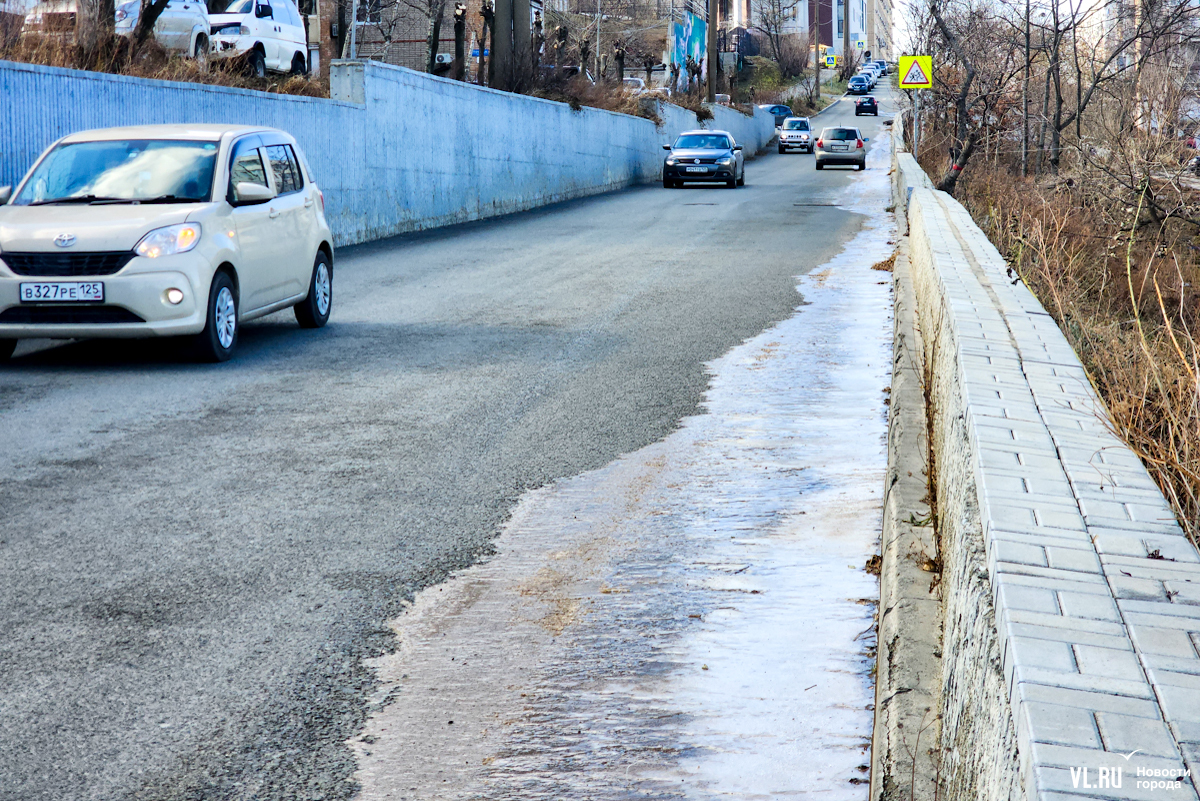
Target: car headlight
point(726, 161)
point(670, 161)
point(169, 241)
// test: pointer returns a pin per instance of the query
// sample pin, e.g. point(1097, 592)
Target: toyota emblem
point(64, 240)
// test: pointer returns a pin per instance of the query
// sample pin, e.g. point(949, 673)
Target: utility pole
point(712, 51)
point(583, 66)
point(845, 36)
point(502, 45)
point(816, 38)
point(522, 44)
point(1025, 99)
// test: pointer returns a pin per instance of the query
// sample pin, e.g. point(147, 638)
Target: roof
point(197, 132)
point(705, 131)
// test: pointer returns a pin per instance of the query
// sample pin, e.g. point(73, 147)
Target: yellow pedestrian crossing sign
point(830, 61)
point(916, 72)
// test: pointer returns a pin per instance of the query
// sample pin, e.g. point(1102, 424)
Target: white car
point(183, 26)
point(270, 32)
point(636, 86)
point(163, 230)
point(796, 134)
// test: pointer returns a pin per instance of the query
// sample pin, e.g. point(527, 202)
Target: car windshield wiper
point(172, 199)
point(78, 199)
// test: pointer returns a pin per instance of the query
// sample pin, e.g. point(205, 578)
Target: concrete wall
point(396, 151)
point(1071, 598)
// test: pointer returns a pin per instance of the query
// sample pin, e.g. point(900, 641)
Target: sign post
point(916, 72)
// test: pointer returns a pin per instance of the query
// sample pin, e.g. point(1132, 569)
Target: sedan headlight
point(169, 241)
point(726, 161)
point(671, 161)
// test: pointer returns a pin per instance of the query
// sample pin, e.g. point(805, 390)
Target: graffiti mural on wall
point(691, 40)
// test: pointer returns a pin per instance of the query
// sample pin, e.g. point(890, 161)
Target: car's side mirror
point(262, 12)
point(248, 194)
point(5, 194)
point(666, 147)
point(737, 147)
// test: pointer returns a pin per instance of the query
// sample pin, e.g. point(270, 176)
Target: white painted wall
point(395, 151)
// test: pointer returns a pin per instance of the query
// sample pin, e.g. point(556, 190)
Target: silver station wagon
point(170, 230)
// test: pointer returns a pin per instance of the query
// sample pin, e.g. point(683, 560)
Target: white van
point(270, 31)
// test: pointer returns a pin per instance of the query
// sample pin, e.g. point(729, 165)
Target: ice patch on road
point(690, 621)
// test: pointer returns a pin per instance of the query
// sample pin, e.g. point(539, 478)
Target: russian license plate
point(697, 169)
point(840, 147)
point(59, 292)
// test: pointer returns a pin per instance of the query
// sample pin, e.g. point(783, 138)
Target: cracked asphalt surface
point(195, 559)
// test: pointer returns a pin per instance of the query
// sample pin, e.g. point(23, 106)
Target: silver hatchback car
point(841, 146)
point(163, 230)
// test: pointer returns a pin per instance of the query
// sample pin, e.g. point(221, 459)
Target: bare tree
point(774, 19)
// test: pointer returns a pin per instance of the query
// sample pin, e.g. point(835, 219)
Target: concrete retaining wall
point(1071, 598)
point(395, 151)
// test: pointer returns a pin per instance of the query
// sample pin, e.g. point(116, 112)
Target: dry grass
point(1124, 290)
point(152, 61)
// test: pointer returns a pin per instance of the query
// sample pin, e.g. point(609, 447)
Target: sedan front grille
point(68, 315)
point(62, 265)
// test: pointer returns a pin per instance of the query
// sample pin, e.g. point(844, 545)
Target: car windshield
point(839, 134)
point(239, 7)
point(702, 142)
point(795, 125)
point(858, 79)
point(158, 170)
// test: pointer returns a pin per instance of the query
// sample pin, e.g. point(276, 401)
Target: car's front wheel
point(218, 340)
point(200, 53)
point(313, 311)
point(256, 64)
point(668, 183)
point(7, 346)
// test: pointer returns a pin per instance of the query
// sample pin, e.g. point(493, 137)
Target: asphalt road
point(194, 559)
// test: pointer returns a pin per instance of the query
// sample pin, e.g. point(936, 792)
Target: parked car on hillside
point(163, 230)
point(183, 26)
point(795, 135)
point(704, 156)
point(866, 105)
point(841, 146)
point(781, 113)
point(269, 32)
point(635, 85)
point(858, 85)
